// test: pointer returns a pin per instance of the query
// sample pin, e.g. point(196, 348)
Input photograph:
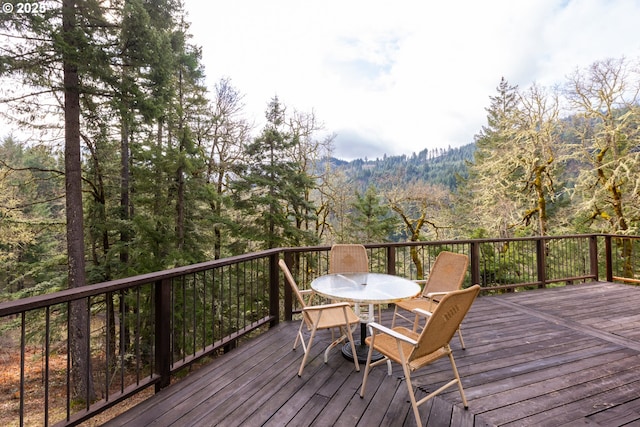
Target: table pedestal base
point(362, 350)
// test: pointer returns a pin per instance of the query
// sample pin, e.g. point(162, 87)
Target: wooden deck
point(564, 356)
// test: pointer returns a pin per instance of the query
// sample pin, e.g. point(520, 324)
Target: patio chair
point(348, 258)
point(337, 316)
point(415, 350)
point(447, 275)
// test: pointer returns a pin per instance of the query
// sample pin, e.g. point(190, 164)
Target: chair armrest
point(435, 294)
point(392, 333)
point(326, 306)
point(421, 312)
point(309, 295)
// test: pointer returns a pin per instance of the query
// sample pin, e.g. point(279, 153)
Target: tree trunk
point(78, 316)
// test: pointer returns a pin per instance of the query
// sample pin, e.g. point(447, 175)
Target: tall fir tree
point(486, 198)
point(371, 220)
point(271, 188)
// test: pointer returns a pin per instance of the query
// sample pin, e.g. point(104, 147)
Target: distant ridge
point(437, 166)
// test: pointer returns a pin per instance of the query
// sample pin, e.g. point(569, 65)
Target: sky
point(398, 77)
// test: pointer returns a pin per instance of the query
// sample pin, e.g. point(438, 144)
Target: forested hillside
point(437, 166)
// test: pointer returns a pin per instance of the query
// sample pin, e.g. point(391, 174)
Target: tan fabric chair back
point(447, 273)
point(348, 258)
point(292, 283)
point(444, 321)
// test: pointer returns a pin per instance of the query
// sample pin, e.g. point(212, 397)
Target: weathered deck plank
point(562, 356)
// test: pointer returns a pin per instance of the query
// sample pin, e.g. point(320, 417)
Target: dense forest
point(120, 161)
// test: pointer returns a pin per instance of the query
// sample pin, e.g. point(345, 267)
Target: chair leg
point(393, 321)
point(457, 375)
point(367, 368)
point(460, 338)
point(412, 396)
point(353, 348)
point(416, 322)
point(307, 348)
point(300, 337)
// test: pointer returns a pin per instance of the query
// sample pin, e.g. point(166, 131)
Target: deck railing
point(146, 330)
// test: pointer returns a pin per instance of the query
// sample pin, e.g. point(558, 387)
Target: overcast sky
point(399, 77)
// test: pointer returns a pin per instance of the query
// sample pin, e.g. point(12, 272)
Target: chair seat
point(388, 346)
point(331, 317)
point(422, 303)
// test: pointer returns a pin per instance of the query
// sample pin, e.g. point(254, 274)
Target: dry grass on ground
point(34, 390)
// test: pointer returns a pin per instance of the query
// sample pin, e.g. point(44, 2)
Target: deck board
point(565, 356)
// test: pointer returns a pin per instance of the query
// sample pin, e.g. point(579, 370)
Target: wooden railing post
point(541, 264)
point(593, 257)
point(288, 297)
point(391, 260)
point(608, 249)
point(163, 333)
point(475, 263)
point(274, 289)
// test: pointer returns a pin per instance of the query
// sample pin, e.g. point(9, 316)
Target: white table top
point(365, 288)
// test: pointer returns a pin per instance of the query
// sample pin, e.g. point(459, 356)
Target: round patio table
point(364, 288)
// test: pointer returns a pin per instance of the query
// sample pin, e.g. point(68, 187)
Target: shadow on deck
point(552, 357)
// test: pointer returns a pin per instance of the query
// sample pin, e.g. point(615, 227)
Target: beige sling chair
point(336, 316)
point(348, 258)
point(414, 350)
point(447, 274)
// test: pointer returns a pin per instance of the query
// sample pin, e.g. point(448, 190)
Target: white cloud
point(408, 75)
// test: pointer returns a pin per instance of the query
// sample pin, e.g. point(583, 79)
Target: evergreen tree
point(487, 191)
point(61, 55)
point(371, 220)
point(270, 190)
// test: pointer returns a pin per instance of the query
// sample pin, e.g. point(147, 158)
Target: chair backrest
point(444, 321)
point(348, 258)
point(292, 283)
point(447, 273)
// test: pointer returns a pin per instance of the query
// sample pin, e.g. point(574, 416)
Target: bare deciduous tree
point(422, 209)
point(605, 96)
